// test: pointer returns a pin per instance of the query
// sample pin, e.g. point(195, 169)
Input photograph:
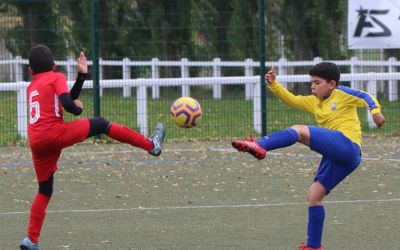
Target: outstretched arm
point(82, 73)
point(304, 103)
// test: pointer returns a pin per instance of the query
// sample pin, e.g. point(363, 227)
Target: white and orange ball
point(186, 112)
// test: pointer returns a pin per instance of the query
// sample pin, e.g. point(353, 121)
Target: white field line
point(227, 206)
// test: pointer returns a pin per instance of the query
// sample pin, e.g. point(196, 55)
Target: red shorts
point(47, 150)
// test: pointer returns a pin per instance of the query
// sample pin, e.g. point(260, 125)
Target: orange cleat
point(251, 146)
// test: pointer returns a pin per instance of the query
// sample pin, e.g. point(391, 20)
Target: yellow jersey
point(336, 112)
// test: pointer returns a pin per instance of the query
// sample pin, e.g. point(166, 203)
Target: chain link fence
point(152, 52)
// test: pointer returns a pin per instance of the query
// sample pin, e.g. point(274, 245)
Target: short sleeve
point(60, 84)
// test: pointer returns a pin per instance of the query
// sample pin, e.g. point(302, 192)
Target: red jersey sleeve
point(60, 84)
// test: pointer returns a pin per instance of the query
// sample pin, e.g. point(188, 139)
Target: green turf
point(200, 195)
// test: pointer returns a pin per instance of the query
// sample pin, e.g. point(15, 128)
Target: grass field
point(200, 195)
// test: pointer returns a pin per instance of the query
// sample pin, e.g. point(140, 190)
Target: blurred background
point(145, 54)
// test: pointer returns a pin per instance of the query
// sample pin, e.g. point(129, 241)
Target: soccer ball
point(186, 112)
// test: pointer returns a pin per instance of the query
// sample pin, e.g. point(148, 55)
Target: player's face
point(321, 87)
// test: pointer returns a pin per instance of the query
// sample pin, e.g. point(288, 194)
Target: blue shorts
point(340, 156)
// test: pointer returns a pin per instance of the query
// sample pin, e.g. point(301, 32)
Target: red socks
point(38, 212)
point(39, 205)
point(127, 135)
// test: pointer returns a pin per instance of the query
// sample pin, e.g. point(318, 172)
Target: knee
point(46, 187)
point(46, 191)
point(303, 132)
point(98, 125)
point(99, 122)
point(300, 129)
point(316, 194)
point(314, 200)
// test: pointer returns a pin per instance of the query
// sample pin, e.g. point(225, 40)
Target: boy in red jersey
point(337, 137)
point(48, 134)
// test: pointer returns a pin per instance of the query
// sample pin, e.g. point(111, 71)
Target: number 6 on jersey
point(34, 108)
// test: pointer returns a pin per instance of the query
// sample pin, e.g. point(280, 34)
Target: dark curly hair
point(326, 70)
point(40, 59)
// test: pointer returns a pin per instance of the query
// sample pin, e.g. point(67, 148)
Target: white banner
point(373, 24)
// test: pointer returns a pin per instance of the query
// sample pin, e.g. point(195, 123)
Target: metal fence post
point(100, 76)
point(155, 74)
point(126, 74)
point(185, 74)
point(262, 56)
point(217, 93)
point(94, 43)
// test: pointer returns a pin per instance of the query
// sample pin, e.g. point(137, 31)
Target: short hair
point(40, 59)
point(326, 70)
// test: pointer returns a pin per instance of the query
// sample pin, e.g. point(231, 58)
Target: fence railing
point(283, 66)
point(252, 82)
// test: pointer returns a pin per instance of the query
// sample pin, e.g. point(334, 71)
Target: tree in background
point(18, 38)
point(314, 28)
point(172, 29)
point(242, 30)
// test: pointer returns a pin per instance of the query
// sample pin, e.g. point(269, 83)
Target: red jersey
point(45, 107)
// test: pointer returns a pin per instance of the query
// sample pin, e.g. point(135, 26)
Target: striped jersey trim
point(359, 94)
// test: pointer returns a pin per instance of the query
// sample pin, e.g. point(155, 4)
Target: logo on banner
point(373, 21)
point(373, 24)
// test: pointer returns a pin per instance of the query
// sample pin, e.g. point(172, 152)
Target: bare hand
point(82, 63)
point(270, 77)
point(78, 103)
point(379, 119)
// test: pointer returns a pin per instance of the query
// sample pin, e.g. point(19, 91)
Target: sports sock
point(38, 212)
point(316, 217)
point(280, 139)
point(127, 135)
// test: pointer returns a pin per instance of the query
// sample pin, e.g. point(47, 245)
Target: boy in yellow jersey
point(337, 137)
